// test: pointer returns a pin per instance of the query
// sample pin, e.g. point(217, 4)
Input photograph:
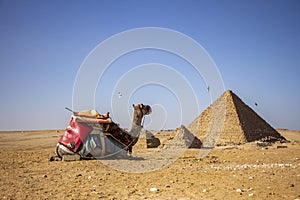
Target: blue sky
point(255, 45)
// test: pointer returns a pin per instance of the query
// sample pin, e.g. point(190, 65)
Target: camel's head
point(142, 109)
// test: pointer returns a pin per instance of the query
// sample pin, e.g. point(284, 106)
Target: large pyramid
point(228, 121)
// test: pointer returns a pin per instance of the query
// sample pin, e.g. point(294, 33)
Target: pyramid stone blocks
point(229, 120)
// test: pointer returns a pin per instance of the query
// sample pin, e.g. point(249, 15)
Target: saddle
point(91, 114)
point(80, 126)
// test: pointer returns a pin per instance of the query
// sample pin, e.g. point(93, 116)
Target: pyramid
point(183, 139)
point(229, 121)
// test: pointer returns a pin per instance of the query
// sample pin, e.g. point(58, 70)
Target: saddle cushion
point(74, 135)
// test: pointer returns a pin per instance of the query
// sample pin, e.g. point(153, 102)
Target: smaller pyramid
point(229, 121)
point(183, 139)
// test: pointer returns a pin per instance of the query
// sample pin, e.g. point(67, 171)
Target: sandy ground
point(239, 172)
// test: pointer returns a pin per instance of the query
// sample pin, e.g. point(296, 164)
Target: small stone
point(271, 193)
point(154, 189)
point(239, 190)
point(250, 178)
point(45, 176)
point(132, 191)
point(89, 177)
point(292, 185)
point(204, 190)
point(251, 195)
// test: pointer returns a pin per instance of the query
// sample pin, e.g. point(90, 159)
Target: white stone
point(153, 189)
point(239, 190)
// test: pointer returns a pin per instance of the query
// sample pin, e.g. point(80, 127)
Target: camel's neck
point(136, 125)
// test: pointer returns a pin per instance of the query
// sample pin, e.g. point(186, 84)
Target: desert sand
point(245, 171)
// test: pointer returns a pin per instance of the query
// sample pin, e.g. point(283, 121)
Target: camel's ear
point(132, 105)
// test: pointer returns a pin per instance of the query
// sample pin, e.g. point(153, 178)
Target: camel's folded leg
point(130, 151)
point(65, 154)
point(74, 157)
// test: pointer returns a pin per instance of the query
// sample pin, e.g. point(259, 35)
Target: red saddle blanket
point(74, 135)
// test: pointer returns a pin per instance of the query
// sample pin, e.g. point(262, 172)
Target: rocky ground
point(231, 172)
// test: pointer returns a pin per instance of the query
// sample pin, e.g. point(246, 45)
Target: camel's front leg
point(130, 151)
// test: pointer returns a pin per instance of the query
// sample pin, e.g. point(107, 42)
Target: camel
point(99, 136)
